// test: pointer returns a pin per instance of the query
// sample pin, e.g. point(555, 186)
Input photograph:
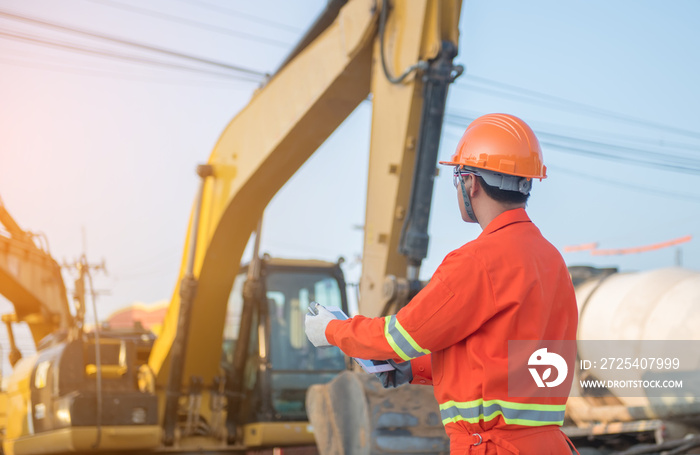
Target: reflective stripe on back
point(400, 341)
point(528, 414)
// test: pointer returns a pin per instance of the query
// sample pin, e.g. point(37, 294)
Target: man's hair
point(497, 194)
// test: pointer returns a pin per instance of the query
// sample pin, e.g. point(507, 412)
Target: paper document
point(370, 366)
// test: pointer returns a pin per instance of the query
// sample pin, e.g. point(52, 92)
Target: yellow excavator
point(70, 393)
point(230, 368)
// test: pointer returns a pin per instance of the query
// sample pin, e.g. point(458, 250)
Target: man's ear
point(475, 187)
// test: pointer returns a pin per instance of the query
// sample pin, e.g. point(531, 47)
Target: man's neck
point(490, 211)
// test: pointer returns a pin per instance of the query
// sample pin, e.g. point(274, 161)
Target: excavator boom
point(284, 123)
point(31, 280)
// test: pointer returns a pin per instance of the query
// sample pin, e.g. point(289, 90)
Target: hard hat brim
point(454, 163)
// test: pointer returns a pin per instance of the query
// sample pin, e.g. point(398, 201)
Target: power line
point(633, 152)
point(638, 141)
point(576, 147)
point(249, 17)
point(63, 68)
point(628, 186)
point(103, 53)
point(543, 98)
point(35, 21)
point(593, 154)
point(546, 99)
point(191, 23)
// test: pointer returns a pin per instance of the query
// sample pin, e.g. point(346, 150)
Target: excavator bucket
point(354, 415)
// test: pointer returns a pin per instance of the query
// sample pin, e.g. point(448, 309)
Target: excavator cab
point(281, 364)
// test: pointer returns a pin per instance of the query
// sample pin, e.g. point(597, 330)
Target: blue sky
point(110, 148)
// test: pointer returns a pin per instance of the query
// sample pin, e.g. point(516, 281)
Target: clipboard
point(370, 366)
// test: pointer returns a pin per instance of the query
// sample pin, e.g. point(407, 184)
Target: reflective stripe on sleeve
point(528, 414)
point(400, 341)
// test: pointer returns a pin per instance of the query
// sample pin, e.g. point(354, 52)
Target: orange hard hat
point(500, 143)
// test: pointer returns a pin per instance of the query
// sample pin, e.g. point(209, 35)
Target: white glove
point(315, 326)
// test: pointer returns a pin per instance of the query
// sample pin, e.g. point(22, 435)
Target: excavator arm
point(31, 280)
point(262, 147)
point(406, 127)
point(285, 122)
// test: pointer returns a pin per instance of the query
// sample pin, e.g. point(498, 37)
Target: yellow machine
point(230, 368)
point(30, 277)
point(70, 396)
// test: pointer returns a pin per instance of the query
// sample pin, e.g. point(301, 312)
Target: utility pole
point(83, 267)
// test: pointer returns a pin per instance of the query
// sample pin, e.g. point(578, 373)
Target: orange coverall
point(510, 283)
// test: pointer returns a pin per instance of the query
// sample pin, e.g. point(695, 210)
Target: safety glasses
point(458, 173)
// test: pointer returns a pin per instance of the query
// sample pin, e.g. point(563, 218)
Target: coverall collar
point(504, 219)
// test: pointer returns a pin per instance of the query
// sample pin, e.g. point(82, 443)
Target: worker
point(508, 284)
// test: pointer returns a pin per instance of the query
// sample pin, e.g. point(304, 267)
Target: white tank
point(661, 304)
